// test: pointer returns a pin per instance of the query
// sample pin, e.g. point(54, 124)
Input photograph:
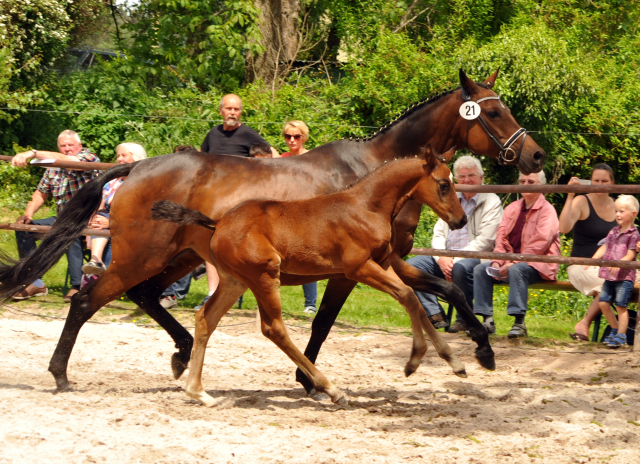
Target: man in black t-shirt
point(232, 137)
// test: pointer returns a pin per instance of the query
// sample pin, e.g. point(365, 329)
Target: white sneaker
point(310, 310)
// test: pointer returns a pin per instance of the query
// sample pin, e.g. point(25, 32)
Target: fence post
point(636, 339)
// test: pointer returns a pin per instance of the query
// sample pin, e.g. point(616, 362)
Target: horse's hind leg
point(336, 293)
point(147, 296)
point(207, 319)
point(387, 281)
point(83, 305)
point(425, 282)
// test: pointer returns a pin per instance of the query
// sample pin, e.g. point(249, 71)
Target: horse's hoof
point(462, 373)
point(342, 400)
point(314, 395)
point(178, 366)
point(486, 359)
point(62, 384)
point(408, 370)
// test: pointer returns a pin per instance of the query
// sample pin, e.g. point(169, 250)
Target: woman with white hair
point(125, 153)
point(529, 226)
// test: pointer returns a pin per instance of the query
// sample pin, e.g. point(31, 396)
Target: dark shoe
point(578, 337)
point(204, 300)
point(67, 297)
point(94, 268)
point(489, 325)
point(458, 326)
point(619, 341)
point(517, 331)
point(169, 301)
point(437, 321)
point(30, 291)
point(199, 272)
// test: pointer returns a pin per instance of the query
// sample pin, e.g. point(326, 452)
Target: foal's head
point(436, 190)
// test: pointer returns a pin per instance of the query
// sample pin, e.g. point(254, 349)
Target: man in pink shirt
point(529, 226)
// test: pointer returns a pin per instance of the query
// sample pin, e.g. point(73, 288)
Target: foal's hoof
point(314, 395)
point(486, 358)
point(462, 373)
point(178, 366)
point(409, 369)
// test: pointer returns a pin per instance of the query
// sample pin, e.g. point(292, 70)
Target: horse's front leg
point(335, 295)
point(424, 282)
point(382, 277)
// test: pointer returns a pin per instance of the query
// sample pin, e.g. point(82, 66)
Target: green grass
point(551, 314)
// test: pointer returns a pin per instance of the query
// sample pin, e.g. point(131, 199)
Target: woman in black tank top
point(590, 217)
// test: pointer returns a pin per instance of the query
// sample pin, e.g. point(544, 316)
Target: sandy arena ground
point(549, 406)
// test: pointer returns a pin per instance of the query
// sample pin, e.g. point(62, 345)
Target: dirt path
point(538, 406)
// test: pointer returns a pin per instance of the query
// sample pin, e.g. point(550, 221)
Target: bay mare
point(149, 256)
point(257, 240)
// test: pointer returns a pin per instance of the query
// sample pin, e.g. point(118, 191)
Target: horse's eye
point(493, 114)
point(444, 187)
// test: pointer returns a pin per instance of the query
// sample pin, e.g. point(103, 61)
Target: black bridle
point(507, 154)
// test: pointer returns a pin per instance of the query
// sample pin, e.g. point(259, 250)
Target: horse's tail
point(17, 274)
point(166, 210)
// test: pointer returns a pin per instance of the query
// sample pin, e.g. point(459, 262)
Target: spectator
point(229, 138)
point(296, 134)
point(260, 150)
point(61, 184)
point(484, 211)
point(617, 288)
point(125, 153)
point(529, 226)
point(590, 217)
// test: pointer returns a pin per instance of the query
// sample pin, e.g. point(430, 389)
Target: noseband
point(507, 154)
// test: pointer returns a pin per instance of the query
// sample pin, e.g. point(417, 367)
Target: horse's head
point(436, 189)
point(487, 127)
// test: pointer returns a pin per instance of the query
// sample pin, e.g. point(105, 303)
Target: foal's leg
point(336, 293)
point(270, 306)
point(424, 282)
point(207, 319)
point(387, 281)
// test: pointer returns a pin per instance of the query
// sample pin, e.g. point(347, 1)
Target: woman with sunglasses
point(296, 134)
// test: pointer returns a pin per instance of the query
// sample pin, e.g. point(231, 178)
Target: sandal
point(94, 268)
point(578, 337)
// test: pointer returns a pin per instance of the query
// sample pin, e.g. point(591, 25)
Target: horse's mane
point(374, 171)
point(412, 109)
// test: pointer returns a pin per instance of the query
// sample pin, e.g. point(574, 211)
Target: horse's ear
point(469, 87)
point(446, 156)
point(491, 80)
point(430, 157)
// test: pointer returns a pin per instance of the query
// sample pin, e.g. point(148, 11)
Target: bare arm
point(37, 200)
point(572, 210)
point(274, 153)
point(21, 159)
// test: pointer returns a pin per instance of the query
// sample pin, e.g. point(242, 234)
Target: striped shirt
point(62, 184)
point(459, 238)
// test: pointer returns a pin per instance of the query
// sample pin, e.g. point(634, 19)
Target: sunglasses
point(289, 136)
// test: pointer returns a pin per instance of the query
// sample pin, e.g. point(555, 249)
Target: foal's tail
point(166, 210)
point(17, 274)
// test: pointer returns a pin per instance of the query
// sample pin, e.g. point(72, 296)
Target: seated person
point(126, 153)
point(589, 218)
point(260, 150)
point(529, 226)
point(484, 211)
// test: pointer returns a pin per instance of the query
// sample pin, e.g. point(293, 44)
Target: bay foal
point(351, 233)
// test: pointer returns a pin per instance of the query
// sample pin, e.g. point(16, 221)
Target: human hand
point(24, 219)
point(446, 266)
point(504, 270)
point(638, 247)
point(574, 181)
point(21, 159)
point(98, 222)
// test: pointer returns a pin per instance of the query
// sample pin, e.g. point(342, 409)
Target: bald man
point(232, 137)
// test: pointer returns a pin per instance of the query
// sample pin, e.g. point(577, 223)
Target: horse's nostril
point(538, 156)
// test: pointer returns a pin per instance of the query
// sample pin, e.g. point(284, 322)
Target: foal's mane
point(376, 171)
point(413, 108)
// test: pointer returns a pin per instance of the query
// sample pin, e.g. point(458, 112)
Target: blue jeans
point(520, 276)
point(310, 294)
point(179, 288)
point(461, 275)
point(27, 245)
point(620, 291)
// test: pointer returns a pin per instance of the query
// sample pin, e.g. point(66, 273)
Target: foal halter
point(507, 154)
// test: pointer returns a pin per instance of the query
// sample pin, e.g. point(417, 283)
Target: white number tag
point(470, 110)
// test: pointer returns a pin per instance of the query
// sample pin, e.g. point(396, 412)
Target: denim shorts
point(621, 290)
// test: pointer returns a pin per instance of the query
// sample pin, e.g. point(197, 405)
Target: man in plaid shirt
point(484, 212)
point(62, 184)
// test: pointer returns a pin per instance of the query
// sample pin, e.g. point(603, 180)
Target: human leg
point(483, 291)
point(96, 266)
point(606, 298)
point(588, 283)
point(520, 276)
point(212, 280)
point(26, 242)
point(310, 297)
point(428, 301)
point(462, 276)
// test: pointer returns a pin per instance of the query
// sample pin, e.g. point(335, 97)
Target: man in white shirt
point(484, 212)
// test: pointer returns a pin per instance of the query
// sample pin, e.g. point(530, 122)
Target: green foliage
point(205, 41)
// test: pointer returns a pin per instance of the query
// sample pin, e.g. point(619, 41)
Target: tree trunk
point(279, 29)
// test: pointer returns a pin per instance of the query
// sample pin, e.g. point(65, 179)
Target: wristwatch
point(35, 153)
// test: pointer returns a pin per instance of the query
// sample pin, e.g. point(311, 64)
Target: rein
point(507, 154)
